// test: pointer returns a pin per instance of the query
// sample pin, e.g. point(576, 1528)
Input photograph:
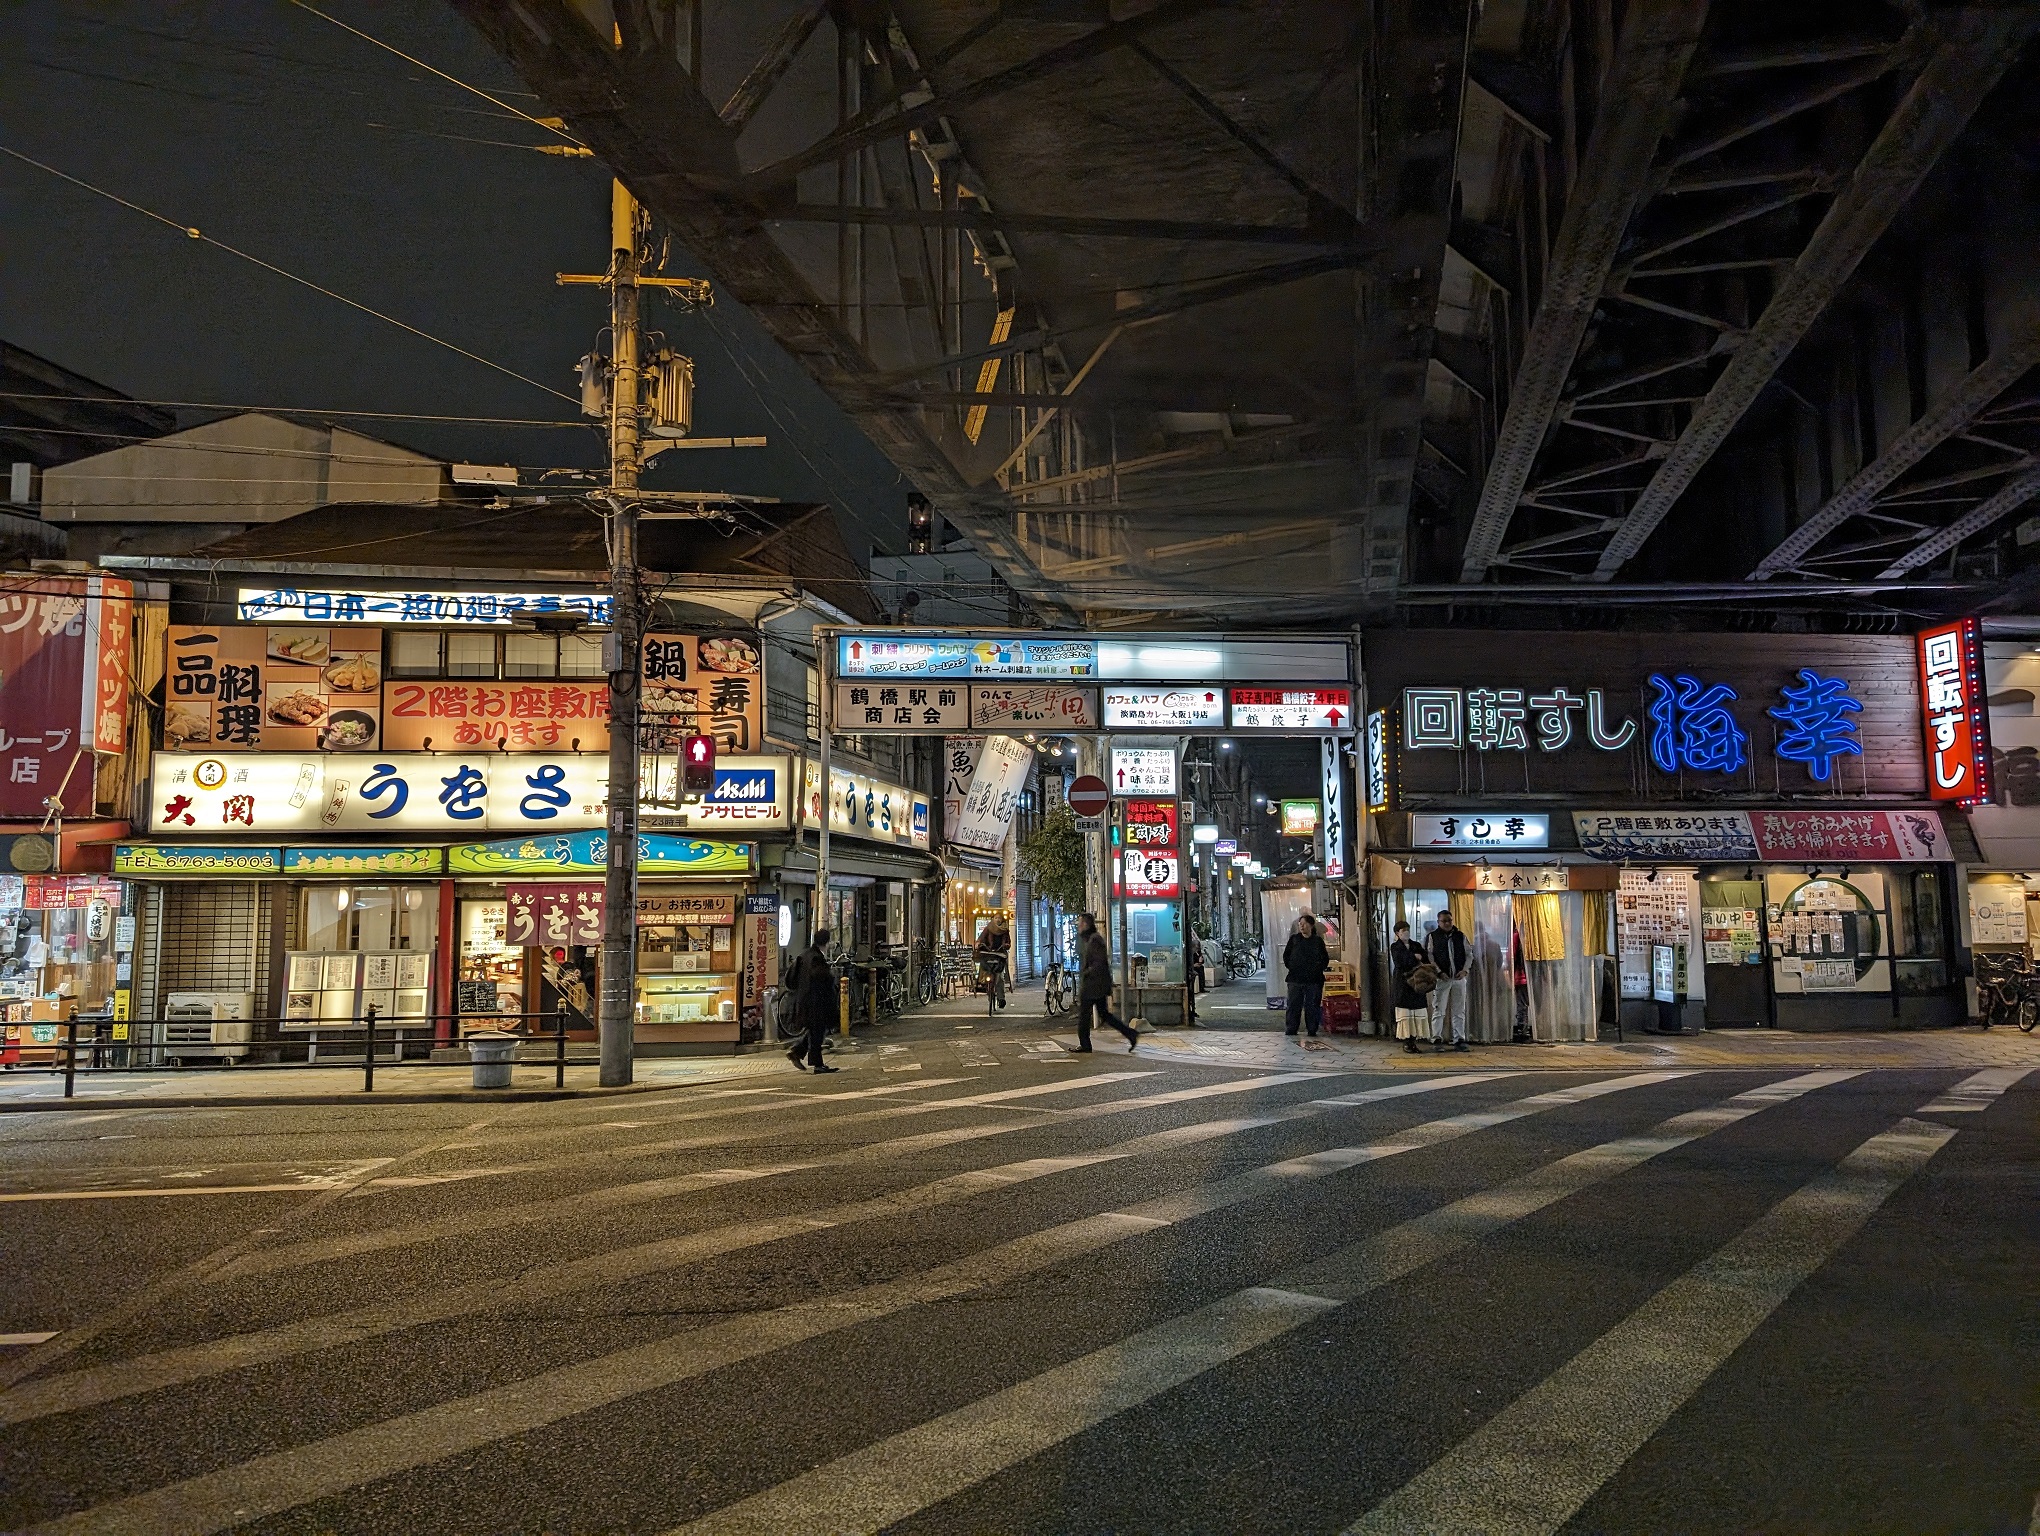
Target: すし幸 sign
point(1955, 716)
point(1476, 830)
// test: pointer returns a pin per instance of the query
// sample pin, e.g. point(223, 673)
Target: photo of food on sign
point(247, 687)
point(702, 685)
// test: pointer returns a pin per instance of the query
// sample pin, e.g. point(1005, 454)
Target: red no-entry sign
point(1088, 795)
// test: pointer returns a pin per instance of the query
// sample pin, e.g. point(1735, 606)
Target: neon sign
point(1816, 732)
point(1691, 727)
point(1494, 719)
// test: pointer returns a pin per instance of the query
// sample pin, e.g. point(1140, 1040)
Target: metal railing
point(365, 1032)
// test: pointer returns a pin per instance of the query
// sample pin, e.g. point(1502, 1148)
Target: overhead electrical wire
point(536, 122)
point(269, 266)
point(282, 410)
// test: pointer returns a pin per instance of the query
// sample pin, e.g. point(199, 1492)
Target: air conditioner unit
point(211, 1024)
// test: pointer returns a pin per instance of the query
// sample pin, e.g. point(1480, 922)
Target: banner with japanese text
point(534, 716)
point(63, 685)
point(552, 912)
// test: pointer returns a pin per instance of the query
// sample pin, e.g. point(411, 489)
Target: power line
point(269, 266)
point(293, 410)
point(536, 122)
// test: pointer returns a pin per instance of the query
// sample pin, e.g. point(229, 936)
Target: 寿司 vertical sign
point(1953, 709)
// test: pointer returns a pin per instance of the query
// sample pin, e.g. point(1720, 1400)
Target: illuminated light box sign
point(862, 806)
point(1149, 873)
point(1334, 783)
point(1033, 707)
point(1150, 823)
point(587, 853)
point(1954, 709)
point(1204, 659)
point(326, 605)
point(962, 656)
point(182, 859)
point(1796, 837)
point(363, 861)
point(1475, 830)
point(1143, 771)
point(1225, 848)
point(1292, 709)
point(1377, 760)
point(1164, 708)
point(1299, 818)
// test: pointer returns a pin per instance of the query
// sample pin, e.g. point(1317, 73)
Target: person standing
point(1406, 958)
point(1094, 985)
point(1451, 954)
point(1304, 961)
point(812, 981)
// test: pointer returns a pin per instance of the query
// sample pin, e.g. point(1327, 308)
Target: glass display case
point(699, 998)
point(689, 967)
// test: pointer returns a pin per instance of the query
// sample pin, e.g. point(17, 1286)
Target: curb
point(273, 1101)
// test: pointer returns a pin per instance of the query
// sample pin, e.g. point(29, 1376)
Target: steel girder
point(1657, 43)
point(1658, 364)
point(1866, 491)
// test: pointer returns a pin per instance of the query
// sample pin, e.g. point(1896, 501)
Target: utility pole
point(617, 1013)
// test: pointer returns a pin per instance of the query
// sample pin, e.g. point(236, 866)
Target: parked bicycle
point(2007, 991)
point(1058, 996)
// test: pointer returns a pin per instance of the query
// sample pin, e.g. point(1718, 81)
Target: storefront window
point(491, 967)
point(362, 947)
point(57, 938)
point(470, 655)
point(581, 656)
point(414, 653)
point(688, 962)
point(534, 655)
point(1917, 925)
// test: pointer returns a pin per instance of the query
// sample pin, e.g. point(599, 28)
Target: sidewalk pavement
point(410, 1083)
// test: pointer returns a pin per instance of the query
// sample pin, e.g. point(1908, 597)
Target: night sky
point(277, 132)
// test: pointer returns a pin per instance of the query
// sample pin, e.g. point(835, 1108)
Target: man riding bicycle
point(993, 947)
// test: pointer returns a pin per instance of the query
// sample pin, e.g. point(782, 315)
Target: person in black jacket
point(1094, 985)
point(812, 981)
point(1451, 954)
point(1412, 1008)
point(1305, 960)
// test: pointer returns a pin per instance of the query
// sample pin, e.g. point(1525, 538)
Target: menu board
point(1648, 913)
point(271, 688)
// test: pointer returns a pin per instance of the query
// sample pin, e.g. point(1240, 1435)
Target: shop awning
point(854, 859)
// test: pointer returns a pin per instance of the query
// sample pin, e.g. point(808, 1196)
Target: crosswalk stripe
point(98, 1384)
point(1532, 1466)
point(1976, 1092)
point(873, 1488)
point(351, 1245)
point(282, 1480)
point(599, 1155)
point(895, 1478)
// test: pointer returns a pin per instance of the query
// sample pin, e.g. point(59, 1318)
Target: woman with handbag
point(1414, 976)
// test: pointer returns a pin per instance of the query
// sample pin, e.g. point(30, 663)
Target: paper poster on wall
point(1833, 930)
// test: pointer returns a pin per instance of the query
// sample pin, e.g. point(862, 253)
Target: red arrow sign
point(1335, 716)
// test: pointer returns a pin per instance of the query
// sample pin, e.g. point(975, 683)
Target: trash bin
point(491, 1055)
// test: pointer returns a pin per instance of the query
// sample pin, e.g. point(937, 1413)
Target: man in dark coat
point(812, 981)
point(1305, 960)
point(1094, 985)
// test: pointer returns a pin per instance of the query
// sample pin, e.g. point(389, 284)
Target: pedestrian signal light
point(697, 766)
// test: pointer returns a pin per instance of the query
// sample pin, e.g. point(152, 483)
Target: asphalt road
point(996, 1287)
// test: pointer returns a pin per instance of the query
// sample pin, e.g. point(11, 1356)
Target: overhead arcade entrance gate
point(1130, 703)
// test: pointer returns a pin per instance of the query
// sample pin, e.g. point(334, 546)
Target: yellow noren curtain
point(1460, 904)
point(1594, 924)
point(1541, 921)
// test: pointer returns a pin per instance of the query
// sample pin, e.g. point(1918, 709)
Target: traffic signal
point(697, 767)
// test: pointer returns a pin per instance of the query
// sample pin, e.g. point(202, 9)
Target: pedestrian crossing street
point(1100, 1295)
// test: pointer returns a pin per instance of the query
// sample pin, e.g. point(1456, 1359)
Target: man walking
point(1451, 954)
point(1304, 961)
point(812, 981)
point(1094, 985)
